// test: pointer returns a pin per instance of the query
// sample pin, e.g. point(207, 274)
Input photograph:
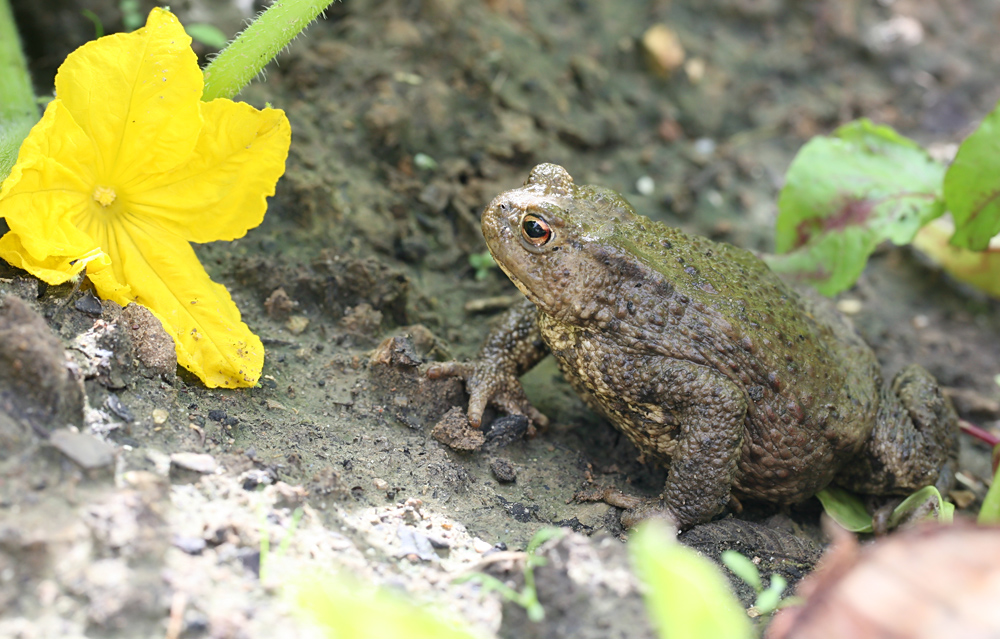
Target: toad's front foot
point(512, 347)
point(489, 385)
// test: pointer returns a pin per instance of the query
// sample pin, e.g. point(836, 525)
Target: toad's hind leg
point(914, 443)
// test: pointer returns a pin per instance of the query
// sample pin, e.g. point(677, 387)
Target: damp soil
point(407, 118)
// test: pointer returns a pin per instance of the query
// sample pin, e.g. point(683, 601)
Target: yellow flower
point(127, 167)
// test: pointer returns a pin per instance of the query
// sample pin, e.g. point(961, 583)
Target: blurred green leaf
point(687, 594)
point(768, 601)
point(972, 186)
point(543, 535)
point(846, 193)
point(424, 162)
point(990, 512)
point(944, 510)
point(482, 263)
point(207, 34)
point(343, 610)
point(845, 509)
point(132, 16)
point(743, 568)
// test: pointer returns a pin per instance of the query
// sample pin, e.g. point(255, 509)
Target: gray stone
point(84, 450)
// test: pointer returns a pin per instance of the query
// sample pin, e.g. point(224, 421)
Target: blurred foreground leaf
point(687, 594)
point(343, 610)
point(743, 568)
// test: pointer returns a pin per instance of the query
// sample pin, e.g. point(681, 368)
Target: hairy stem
point(246, 56)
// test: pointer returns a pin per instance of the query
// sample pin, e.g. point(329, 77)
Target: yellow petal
point(137, 96)
point(102, 276)
point(49, 186)
point(53, 270)
point(222, 192)
point(166, 277)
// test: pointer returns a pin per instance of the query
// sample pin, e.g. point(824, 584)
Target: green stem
point(18, 109)
point(246, 56)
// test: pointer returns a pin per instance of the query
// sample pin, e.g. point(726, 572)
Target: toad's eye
point(535, 230)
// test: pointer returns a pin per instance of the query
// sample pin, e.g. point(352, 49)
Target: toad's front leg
point(512, 348)
point(702, 431)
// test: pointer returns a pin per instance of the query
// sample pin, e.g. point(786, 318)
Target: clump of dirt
point(38, 391)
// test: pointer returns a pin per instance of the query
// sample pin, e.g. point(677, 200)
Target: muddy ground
point(408, 117)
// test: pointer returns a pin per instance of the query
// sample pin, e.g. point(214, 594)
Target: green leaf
point(831, 263)
point(945, 510)
point(207, 34)
point(972, 186)
point(743, 568)
point(845, 194)
point(340, 609)
point(845, 509)
point(687, 594)
point(768, 601)
point(990, 512)
point(542, 536)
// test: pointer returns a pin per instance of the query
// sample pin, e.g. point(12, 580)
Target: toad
point(712, 365)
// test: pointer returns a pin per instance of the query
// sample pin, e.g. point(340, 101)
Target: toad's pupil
point(535, 229)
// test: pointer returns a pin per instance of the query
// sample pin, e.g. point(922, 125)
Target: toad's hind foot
point(637, 509)
point(915, 441)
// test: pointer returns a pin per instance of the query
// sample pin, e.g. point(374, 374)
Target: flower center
point(104, 195)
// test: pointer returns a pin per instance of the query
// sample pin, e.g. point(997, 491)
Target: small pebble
point(645, 185)
point(296, 324)
point(160, 416)
point(481, 546)
point(198, 462)
point(85, 450)
point(115, 406)
point(190, 545)
point(380, 484)
point(663, 49)
point(702, 150)
point(849, 306)
point(503, 470)
point(695, 70)
point(89, 304)
point(274, 405)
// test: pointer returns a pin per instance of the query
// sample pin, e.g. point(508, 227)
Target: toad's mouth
point(525, 290)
